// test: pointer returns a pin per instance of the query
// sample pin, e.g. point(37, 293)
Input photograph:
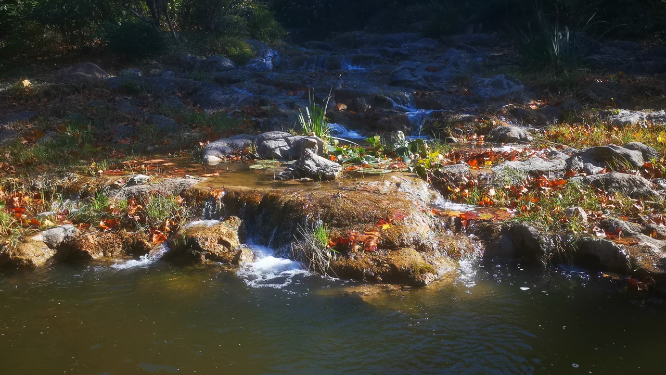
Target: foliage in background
point(136, 40)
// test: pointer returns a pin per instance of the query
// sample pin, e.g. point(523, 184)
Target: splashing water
point(143, 261)
point(269, 271)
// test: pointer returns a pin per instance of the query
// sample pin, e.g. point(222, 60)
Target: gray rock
point(602, 255)
point(17, 117)
point(216, 64)
point(125, 107)
point(660, 182)
point(8, 136)
point(657, 117)
point(422, 45)
point(82, 73)
point(123, 132)
point(534, 166)
point(265, 63)
point(610, 156)
point(55, 236)
point(509, 134)
point(164, 124)
point(625, 117)
point(551, 113)
point(627, 184)
point(648, 152)
point(477, 39)
point(138, 179)
point(213, 97)
point(501, 85)
point(398, 39)
point(214, 152)
point(521, 241)
point(131, 73)
point(281, 145)
point(313, 44)
point(313, 166)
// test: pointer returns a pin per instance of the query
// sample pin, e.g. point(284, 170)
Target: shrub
point(137, 40)
point(237, 50)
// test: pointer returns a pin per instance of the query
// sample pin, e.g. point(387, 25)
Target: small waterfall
point(318, 62)
point(417, 117)
point(144, 260)
point(269, 270)
point(347, 65)
point(340, 131)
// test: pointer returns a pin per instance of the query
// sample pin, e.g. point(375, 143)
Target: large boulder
point(601, 254)
point(282, 145)
point(82, 73)
point(311, 165)
point(214, 152)
point(522, 241)
point(509, 134)
point(209, 241)
point(99, 245)
point(648, 152)
point(168, 187)
point(627, 184)
point(600, 157)
point(28, 254)
point(55, 236)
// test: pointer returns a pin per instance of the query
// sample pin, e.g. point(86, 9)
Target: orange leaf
point(157, 236)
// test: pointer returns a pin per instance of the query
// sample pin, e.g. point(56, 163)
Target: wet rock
point(138, 179)
point(655, 231)
point(214, 152)
point(91, 246)
point(660, 182)
point(509, 134)
point(501, 85)
point(477, 40)
point(521, 241)
point(311, 165)
point(264, 63)
point(200, 243)
point(281, 145)
point(602, 255)
point(17, 117)
point(82, 73)
point(421, 45)
point(29, 254)
point(600, 157)
point(356, 208)
point(125, 107)
point(169, 187)
point(55, 236)
point(627, 184)
point(648, 152)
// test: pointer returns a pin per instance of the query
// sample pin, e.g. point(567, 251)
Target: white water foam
point(467, 269)
point(269, 271)
point(444, 204)
point(143, 261)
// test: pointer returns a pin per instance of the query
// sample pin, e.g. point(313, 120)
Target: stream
point(272, 317)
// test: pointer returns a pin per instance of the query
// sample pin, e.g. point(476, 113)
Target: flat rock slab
point(82, 73)
point(627, 184)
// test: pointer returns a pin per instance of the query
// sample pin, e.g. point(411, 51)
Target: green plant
point(312, 247)
point(162, 208)
point(314, 121)
point(94, 210)
point(235, 49)
point(136, 40)
point(548, 44)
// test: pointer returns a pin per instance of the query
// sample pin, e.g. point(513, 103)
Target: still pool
point(273, 318)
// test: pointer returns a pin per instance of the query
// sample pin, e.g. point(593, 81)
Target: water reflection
point(163, 319)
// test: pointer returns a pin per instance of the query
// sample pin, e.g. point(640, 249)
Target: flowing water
point(272, 317)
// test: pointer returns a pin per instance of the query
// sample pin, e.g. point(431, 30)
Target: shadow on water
point(491, 318)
